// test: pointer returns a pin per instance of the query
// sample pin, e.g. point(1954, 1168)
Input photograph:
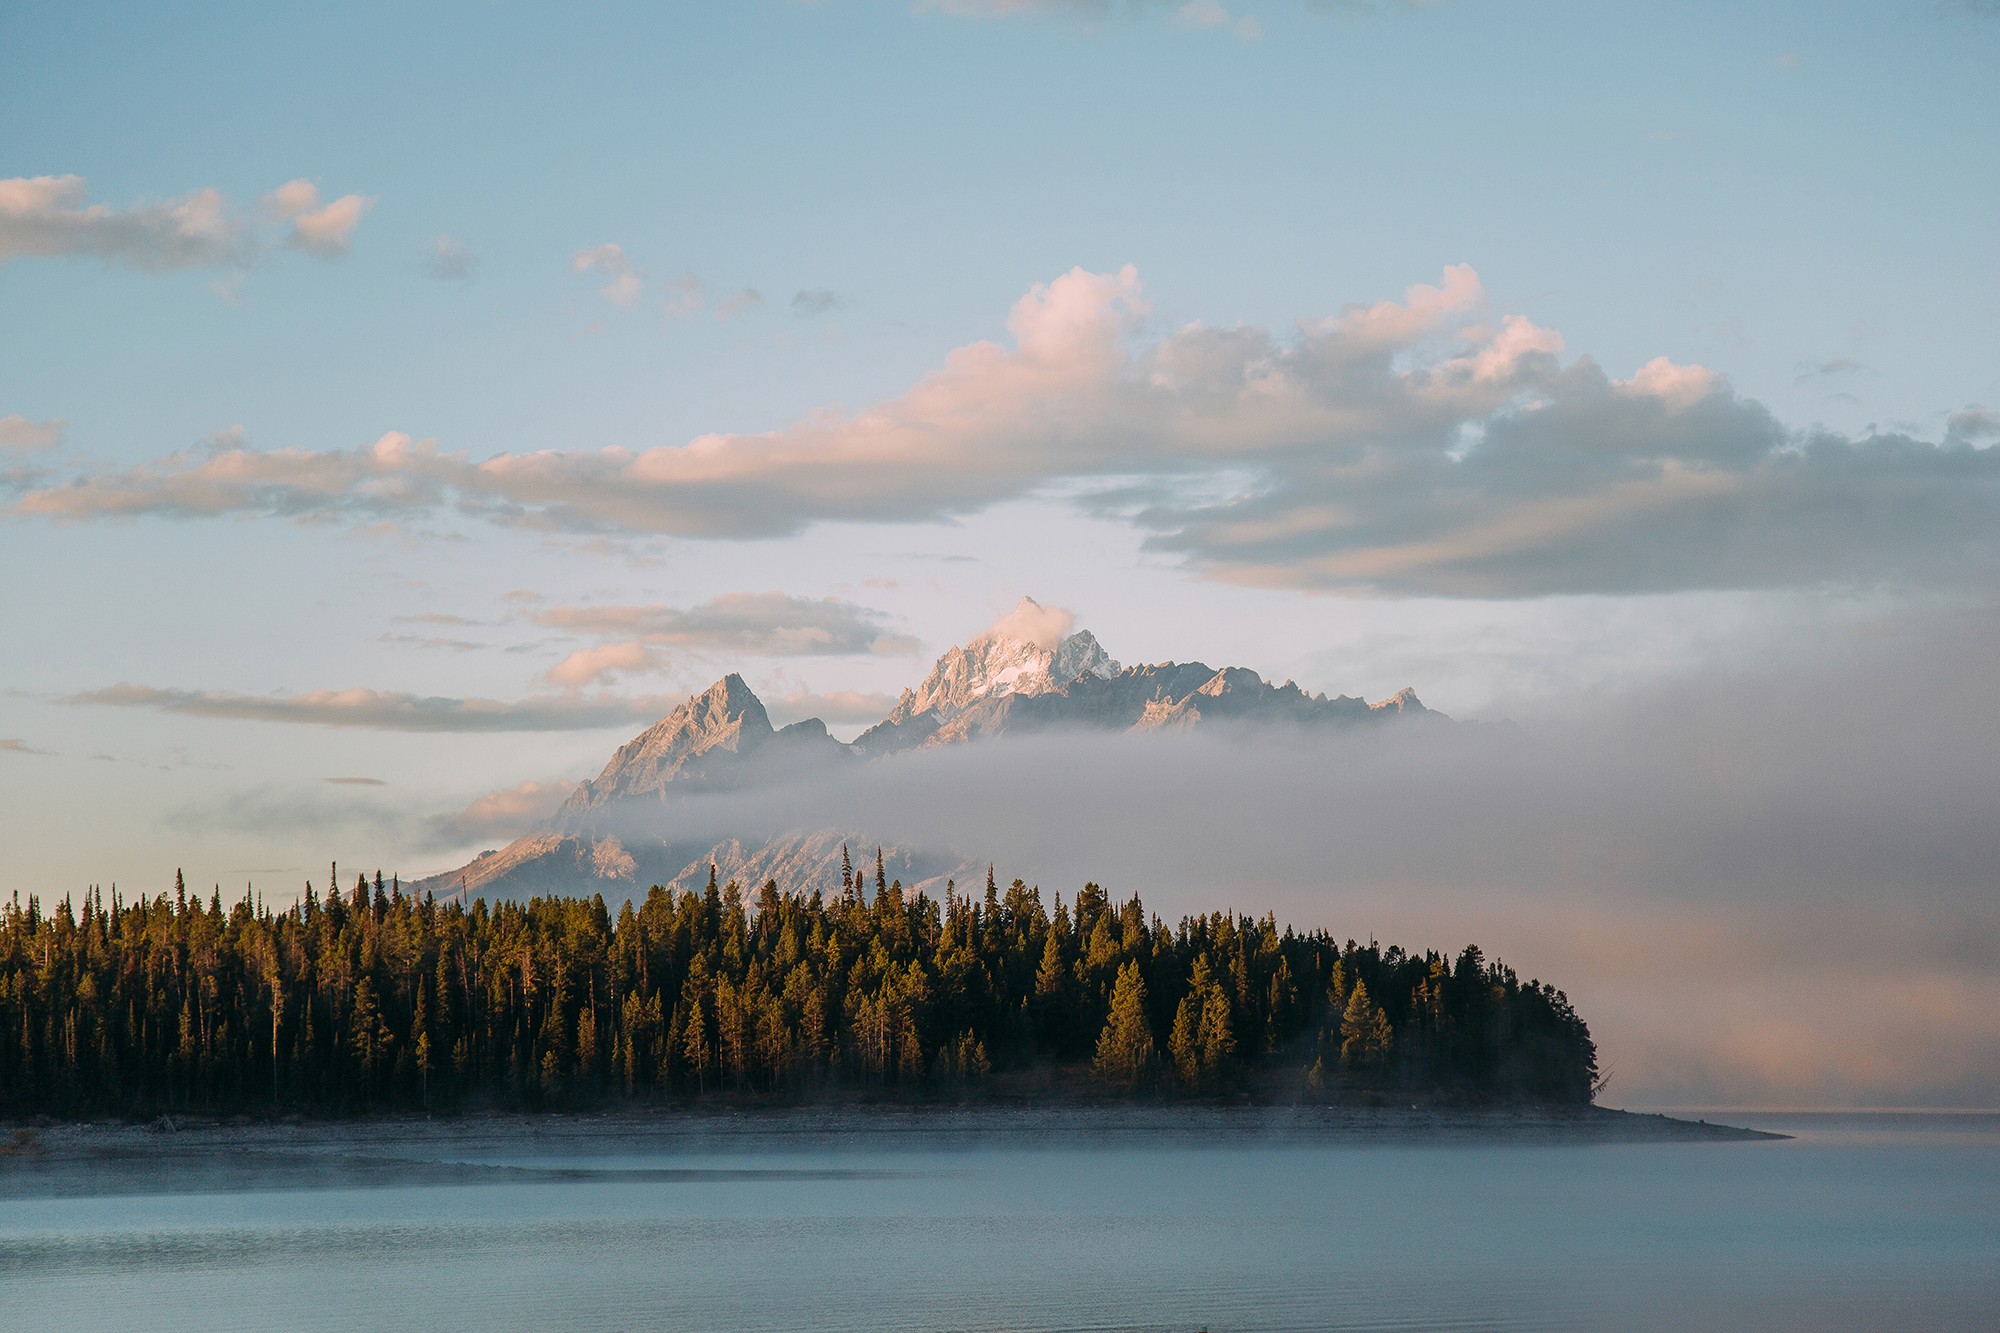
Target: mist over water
point(1862, 1222)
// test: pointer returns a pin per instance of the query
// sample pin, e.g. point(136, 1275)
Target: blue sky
point(1689, 362)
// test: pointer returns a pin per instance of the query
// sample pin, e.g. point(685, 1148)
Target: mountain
point(1019, 679)
point(721, 739)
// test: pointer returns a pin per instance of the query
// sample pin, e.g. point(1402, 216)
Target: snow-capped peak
point(1028, 651)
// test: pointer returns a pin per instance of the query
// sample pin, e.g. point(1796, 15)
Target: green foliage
point(377, 1001)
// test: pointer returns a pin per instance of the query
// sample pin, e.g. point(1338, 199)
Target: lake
point(1861, 1221)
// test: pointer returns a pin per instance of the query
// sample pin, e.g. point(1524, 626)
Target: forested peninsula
point(375, 1000)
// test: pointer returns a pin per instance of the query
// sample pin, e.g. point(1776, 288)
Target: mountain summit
point(720, 738)
point(1025, 654)
point(1032, 673)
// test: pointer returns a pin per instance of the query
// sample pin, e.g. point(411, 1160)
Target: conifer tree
point(1125, 1047)
point(1364, 1031)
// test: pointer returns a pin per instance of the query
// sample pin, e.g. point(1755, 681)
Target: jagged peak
point(1402, 701)
point(1030, 650)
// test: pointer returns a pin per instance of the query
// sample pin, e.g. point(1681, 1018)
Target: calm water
point(1862, 1222)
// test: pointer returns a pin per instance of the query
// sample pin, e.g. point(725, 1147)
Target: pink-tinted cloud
point(591, 666)
point(501, 816)
point(1407, 446)
point(22, 435)
point(325, 231)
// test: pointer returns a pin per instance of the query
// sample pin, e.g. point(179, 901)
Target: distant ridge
point(997, 685)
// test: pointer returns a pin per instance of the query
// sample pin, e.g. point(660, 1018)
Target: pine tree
point(1183, 1043)
point(1125, 1048)
point(1364, 1031)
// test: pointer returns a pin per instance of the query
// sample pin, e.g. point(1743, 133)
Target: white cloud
point(21, 434)
point(741, 303)
point(1410, 446)
point(1030, 621)
point(624, 284)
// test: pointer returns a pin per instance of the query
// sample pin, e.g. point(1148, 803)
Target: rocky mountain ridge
point(996, 685)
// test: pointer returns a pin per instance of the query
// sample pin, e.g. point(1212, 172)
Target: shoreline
point(167, 1156)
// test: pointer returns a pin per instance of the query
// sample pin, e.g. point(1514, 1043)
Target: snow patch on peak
point(1029, 651)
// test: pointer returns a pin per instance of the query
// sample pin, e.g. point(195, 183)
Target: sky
point(400, 406)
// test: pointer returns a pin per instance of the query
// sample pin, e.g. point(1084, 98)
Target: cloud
point(590, 666)
point(46, 217)
point(741, 303)
point(500, 816)
point(18, 433)
point(1205, 14)
point(625, 283)
point(1975, 426)
point(436, 618)
point(15, 745)
point(450, 259)
point(688, 296)
point(1413, 446)
point(325, 231)
point(819, 301)
point(1044, 626)
point(1829, 369)
point(384, 710)
point(433, 642)
point(354, 782)
point(756, 624)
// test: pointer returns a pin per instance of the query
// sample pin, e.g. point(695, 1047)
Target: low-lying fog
point(1771, 888)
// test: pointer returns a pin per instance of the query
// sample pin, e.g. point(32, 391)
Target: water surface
point(1858, 1222)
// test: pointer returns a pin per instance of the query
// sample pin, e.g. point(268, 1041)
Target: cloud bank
point(390, 710)
point(756, 624)
point(47, 217)
point(748, 624)
point(1413, 447)
point(1759, 889)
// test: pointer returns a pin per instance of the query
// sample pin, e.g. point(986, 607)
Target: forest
point(372, 1000)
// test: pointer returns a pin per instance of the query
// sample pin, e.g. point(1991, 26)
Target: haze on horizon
point(399, 410)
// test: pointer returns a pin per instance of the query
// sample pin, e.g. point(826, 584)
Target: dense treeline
point(373, 1000)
